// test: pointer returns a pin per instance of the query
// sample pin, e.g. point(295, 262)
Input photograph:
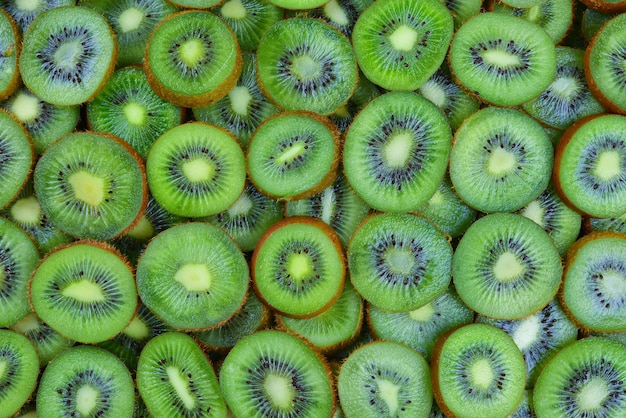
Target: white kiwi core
point(535, 212)
point(433, 92)
point(86, 400)
point(397, 150)
point(608, 165)
point(613, 284)
point(84, 291)
point(592, 395)
point(507, 267)
point(566, 87)
point(299, 266)
point(26, 324)
point(240, 99)
point(135, 113)
point(403, 38)
point(500, 58)
point(130, 19)
point(143, 230)
point(422, 314)
point(233, 10)
point(279, 390)
point(335, 13)
point(192, 51)
point(27, 210)
point(68, 54)
point(400, 261)
point(27, 5)
point(305, 68)
point(501, 161)
point(181, 386)
point(389, 395)
point(87, 187)
point(242, 206)
point(195, 277)
point(527, 332)
point(198, 170)
point(137, 329)
point(25, 107)
point(481, 374)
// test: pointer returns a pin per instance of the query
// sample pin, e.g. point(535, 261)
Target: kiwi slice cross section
point(16, 157)
point(19, 370)
point(10, 38)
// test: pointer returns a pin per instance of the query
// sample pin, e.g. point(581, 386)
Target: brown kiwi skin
point(307, 220)
point(33, 159)
point(16, 80)
point(328, 179)
point(200, 100)
point(434, 372)
point(605, 7)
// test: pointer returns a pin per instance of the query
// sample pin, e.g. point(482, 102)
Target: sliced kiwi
point(364, 93)
point(342, 14)
point(396, 151)
point(385, 379)
point(19, 364)
point(617, 224)
point(85, 291)
point(67, 55)
point(86, 381)
point(477, 371)
point(462, 10)
point(503, 60)
point(196, 169)
point(274, 374)
point(399, 44)
point(10, 44)
point(506, 267)
point(176, 379)
point(525, 408)
point(192, 276)
point(606, 6)
point(195, 4)
point(23, 12)
point(16, 157)
point(91, 185)
point(399, 262)
point(591, 22)
point(584, 379)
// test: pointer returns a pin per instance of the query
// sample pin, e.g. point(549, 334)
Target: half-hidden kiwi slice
point(477, 371)
point(396, 151)
point(67, 55)
point(298, 267)
point(192, 58)
point(16, 157)
point(23, 12)
point(341, 14)
point(10, 44)
point(584, 379)
point(385, 379)
point(91, 185)
point(249, 19)
point(176, 379)
point(399, 262)
point(85, 291)
point(306, 64)
point(192, 276)
point(399, 44)
point(196, 169)
point(86, 381)
point(275, 374)
point(19, 370)
point(506, 267)
point(503, 60)
point(590, 166)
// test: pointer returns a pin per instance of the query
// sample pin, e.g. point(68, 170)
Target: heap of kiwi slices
point(294, 208)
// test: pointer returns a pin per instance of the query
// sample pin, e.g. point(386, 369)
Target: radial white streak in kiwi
point(305, 68)
point(130, 19)
point(25, 107)
point(501, 58)
point(181, 386)
point(240, 99)
point(135, 113)
point(613, 283)
point(423, 314)
point(27, 5)
point(398, 150)
point(279, 391)
point(86, 400)
point(501, 162)
point(535, 212)
point(87, 187)
point(84, 291)
point(327, 203)
point(137, 329)
point(335, 13)
point(195, 277)
point(507, 267)
point(242, 206)
point(299, 266)
point(234, 9)
point(481, 374)
point(592, 395)
point(389, 394)
point(433, 92)
point(400, 261)
point(608, 165)
point(192, 51)
point(403, 38)
point(143, 230)
point(527, 332)
point(198, 170)
point(26, 211)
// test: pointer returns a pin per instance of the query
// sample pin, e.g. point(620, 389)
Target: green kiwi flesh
point(16, 157)
point(19, 365)
point(9, 57)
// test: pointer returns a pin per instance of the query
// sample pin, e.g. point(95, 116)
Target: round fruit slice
point(19, 370)
point(10, 44)
point(16, 157)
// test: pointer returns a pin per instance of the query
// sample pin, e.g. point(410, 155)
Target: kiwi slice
point(525, 408)
point(129, 109)
point(617, 224)
point(196, 169)
point(606, 6)
point(67, 55)
point(589, 173)
point(20, 369)
point(595, 271)
point(462, 10)
point(341, 14)
point(399, 44)
point(16, 157)
point(24, 12)
point(86, 381)
point(175, 378)
point(396, 151)
point(192, 276)
point(584, 379)
point(91, 185)
point(85, 291)
point(298, 267)
point(500, 160)
point(477, 371)
point(503, 60)
point(192, 58)
point(249, 19)
point(275, 374)
point(364, 93)
point(293, 155)
point(195, 4)
point(506, 267)
point(591, 22)
point(387, 379)
point(399, 262)
point(10, 44)
point(306, 64)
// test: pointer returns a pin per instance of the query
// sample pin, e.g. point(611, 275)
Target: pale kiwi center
point(481, 374)
point(500, 161)
point(137, 329)
point(130, 19)
point(535, 212)
point(135, 113)
point(500, 58)
point(195, 277)
point(291, 153)
point(397, 150)
point(233, 10)
point(566, 87)
point(436, 199)
point(527, 332)
point(198, 170)
point(240, 99)
point(613, 284)
point(3, 368)
point(534, 14)
point(400, 261)
point(592, 395)
point(422, 314)
point(279, 391)
point(335, 13)
point(433, 92)
point(87, 187)
point(327, 202)
point(27, 5)
point(143, 230)
point(305, 68)
point(86, 400)
point(242, 206)
point(25, 107)
point(84, 291)
point(68, 54)
point(389, 394)
point(26, 210)
point(507, 267)
point(608, 165)
point(403, 38)
point(192, 51)
point(342, 111)
point(299, 266)
point(181, 386)
point(26, 324)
